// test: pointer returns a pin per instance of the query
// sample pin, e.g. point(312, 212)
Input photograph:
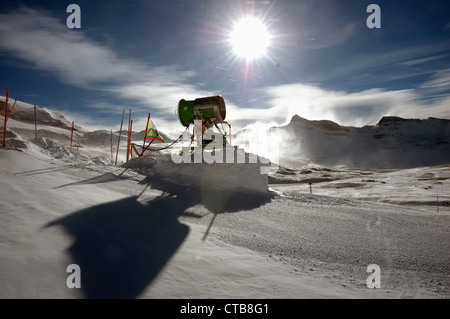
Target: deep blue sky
point(323, 61)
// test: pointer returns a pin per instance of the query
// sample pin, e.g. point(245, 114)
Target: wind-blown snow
point(393, 143)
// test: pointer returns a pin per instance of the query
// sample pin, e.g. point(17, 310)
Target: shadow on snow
point(121, 246)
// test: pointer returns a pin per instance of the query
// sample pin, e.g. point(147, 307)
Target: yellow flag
point(151, 133)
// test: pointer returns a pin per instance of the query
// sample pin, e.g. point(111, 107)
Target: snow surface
point(223, 176)
point(137, 235)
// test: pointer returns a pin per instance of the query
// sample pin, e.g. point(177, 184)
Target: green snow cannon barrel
point(210, 110)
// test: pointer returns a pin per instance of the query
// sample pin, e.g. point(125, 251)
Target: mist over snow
point(392, 143)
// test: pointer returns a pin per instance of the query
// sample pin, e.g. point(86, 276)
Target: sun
point(250, 38)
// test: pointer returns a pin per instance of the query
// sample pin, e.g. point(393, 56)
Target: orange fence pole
point(120, 133)
point(6, 113)
point(129, 140)
point(129, 137)
point(10, 112)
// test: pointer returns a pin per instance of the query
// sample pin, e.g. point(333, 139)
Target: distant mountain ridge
point(392, 142)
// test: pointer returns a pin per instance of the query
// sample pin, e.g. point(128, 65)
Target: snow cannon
point(210, 110)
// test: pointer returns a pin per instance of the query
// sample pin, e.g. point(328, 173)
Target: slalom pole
point(6, 112)
point(112, 158)
point(35, 122)
point(10, 112)
point(129, 140)
point(71, 137)
point(129, 137)
point(120, 133)
point(146, 128)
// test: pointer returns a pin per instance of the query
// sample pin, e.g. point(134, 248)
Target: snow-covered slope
point(53, 126)
point(393, 142)
point(135, 234)
point(24, 112)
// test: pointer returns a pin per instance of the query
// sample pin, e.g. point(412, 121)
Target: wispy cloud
point(160, 96)
point(426, 60)
point(396, 63)
point(48, 45)
point(355, 109)
point(440, 81)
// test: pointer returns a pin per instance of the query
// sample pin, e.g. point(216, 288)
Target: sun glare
point(250, 38)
